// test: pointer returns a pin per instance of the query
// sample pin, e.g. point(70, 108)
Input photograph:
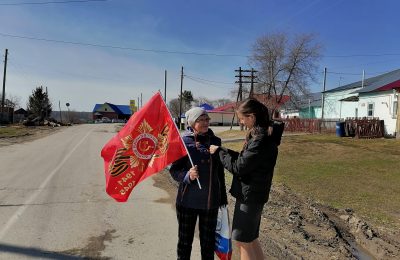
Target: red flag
point(145, 145)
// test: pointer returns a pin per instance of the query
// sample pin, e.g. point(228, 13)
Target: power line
point(212, 81)
point(365, 64)
point(356, 74)
point(343, 73)
point(20, 71)
point(204, 83)
point(166, 51)
point(120, 47)
point(362, 55)
point(53, 2)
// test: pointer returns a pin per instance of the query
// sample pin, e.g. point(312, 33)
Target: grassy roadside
point(14, 131)
point(361, 174)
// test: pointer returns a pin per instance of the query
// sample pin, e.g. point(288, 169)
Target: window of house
point(370, 111)
point(394, 109)
point(105, 109)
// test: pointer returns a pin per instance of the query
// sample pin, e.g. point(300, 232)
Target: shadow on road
point(35, 252)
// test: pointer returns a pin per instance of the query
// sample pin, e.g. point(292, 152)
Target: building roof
point(271, 101)
point(305, 101)
point(313, 100)
point(229, 107)
point(350, 99)
point(385, 81)
point(119, 109)
point(206, 107)
point(374, 83)
point(20, 111)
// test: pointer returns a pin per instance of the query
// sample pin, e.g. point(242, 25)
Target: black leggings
point(187, 218)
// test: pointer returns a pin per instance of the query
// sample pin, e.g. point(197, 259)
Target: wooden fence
point(309, 125)
point(364, 127)
point(354, 127)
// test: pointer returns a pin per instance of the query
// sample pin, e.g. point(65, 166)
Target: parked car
point(117, 121)
point(106, 120)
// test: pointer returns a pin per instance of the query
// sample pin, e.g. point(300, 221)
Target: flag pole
point(187, 151)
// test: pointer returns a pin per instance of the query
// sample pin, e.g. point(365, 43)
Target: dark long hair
point(259, 110)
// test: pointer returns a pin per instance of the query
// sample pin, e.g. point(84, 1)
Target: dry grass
point(362, 174)
point(14, 131)
point(232, 134)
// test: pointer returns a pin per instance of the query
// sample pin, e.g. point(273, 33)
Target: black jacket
point(211, 173)
point(252, 168)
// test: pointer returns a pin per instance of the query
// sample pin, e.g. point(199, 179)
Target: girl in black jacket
point(252, 171)
point(208, 173)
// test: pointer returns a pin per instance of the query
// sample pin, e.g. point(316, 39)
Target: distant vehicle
point(106, 120)
point(117, 121)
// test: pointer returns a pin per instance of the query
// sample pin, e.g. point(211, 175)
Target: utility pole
point(46, 104)
point(59, 106)
point(253, 77)
point(323, 95)
point(239, 95)
point(362, 80)
point(141, 100)
point(165, 86)
point(180, 100)
point(398, 114)
point(241, 82)
point(323, 99)
point(69, 118)
point(4, 87)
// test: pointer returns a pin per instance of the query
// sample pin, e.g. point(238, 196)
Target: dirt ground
point(293, 227)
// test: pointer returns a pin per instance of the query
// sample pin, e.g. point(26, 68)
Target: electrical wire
point(204, 83)
point(356, 74)
point(173, 52)
point(18, 70)
point(343, 73)
point(120, 47)
point(52, 2)
point(211, 81)
point(362, 55)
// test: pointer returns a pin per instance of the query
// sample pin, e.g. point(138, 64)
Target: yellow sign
point(133, 106)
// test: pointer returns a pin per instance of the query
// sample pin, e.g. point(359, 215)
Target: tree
point(12, 101)
point(212, 102)
point(187, 99)
point(174, 107)
point(39, 104)
point(201, 100)
point(220, 102)
point(285, 65)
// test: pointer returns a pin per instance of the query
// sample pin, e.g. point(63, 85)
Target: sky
point(88, 52)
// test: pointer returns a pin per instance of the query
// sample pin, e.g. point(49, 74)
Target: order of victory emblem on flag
point(145, 145)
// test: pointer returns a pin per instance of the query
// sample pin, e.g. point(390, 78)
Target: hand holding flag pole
point(197, 179)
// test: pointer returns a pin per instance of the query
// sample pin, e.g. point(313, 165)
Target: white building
point(376, 97)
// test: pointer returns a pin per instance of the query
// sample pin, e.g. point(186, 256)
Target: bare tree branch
point(286, 66)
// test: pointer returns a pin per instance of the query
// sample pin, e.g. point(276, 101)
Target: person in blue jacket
point(193, 202)
point(252, 171)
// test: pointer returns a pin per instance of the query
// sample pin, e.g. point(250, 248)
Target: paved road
point(53, 204)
